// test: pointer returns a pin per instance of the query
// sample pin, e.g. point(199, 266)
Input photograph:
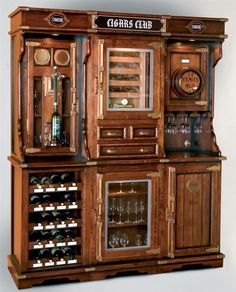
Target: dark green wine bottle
point(56, 118)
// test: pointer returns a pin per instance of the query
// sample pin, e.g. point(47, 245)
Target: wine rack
point(55, 216)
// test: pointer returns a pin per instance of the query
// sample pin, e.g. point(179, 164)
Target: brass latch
point(170, 217)
point(32, 150)
point(155, 115)
point(201, 102)
point(214, 167)
point(90, 269)
point(212, 249)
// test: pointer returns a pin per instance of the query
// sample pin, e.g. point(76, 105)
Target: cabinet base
point(99, 272)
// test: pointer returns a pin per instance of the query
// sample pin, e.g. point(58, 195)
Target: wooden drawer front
point(112, 133)
point(127, 150)
point(144, 132)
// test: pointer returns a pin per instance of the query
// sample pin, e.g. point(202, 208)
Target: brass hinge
point(32, 150)
point(24, 27)
point(101, 117)
point(202, 50)
point(167, 34)
point(154, 174)
point(32, 44)
point(90, 269)
point(170, 217)
point(201, 102)
point(153, 251)
point(212, 249)
point(162, 262)
point(156, 44)
point(214, 167)
point(155, 115)
point(223, 36)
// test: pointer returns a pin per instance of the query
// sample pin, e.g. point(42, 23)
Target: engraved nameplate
point(37, 265)
point(49, 245)
point(49, 264)
point(38, 190)
point(61, 226)
point(73, 206)
point(50, 208)
point(59, 263)
point(71, 262)
point(73, 188)
point(70, 243)
point(50, 189)
point(61, 207)
point(37, 246)
point(61, 244)
point(61, 189)
point(38, 227)
point(37, 209)
point(50, 226)
point(72, 225)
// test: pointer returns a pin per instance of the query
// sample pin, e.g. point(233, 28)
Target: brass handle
point(142, 133)
point(141, 150)
point(111, 134)
point(111, 151)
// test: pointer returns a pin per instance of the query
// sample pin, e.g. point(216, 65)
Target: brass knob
point(111, 151)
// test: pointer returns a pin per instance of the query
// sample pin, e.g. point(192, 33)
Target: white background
point(217, 280)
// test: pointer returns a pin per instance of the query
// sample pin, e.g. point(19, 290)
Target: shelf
point(55, 262)
point(54, 243)
point(124, 94)
point(52, 188)
point(55, 206)
point(55, 225)
point(123, 225)
point(118, 194)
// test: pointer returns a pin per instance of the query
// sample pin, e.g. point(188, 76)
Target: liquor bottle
point(55, 118)
point(35, 199)
point(57, 252)
point(34, 180)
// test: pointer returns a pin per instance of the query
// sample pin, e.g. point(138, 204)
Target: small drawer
point(111, 133)
point(144, 132)
point(127, 150)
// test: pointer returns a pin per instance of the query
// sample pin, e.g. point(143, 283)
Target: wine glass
point(145, 239)
point(128, 210)
point(112, 209)
point(168, 126)
point(141, 208)
point(112, 240)
point(132, 191)
point(120, 209)
point(198, 126)
point(138, 240)
point(136, 210)
point(124, 240)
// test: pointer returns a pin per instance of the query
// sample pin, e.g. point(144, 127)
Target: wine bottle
point(57, 216)
point(55, 118)
point(69, 252)
point(45, 180)
point(68, 197)
point(57, 235)
point(57, 252)
point(55, 178)
point(35, 199)
point(46, 235)
point(34, 180)
point(46, 198)
point(44, 253)
point(35, 235)
point(69, 234)
point(46, 217)
point(66, 177)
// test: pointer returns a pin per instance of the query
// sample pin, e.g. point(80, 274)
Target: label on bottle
point(38, 190)
point(38, 246)
point(63, 207)
point(61, 244)
point(37, 265)
point(38, 227)
point(61, 189)
point(69, 262)
point(70, 243)
point(50, 226)
point(72, 224)
point(72, 206)
point(59, 263)
point(49, 245)
point(56, 127)
point(61, 226)
point(50, 189)
point(49, 264)
point(37, 209)
point(73, 188)
point(50, 208)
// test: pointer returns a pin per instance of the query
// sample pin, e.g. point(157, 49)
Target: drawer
point(112, 133)
point(127, 150)
point(144, 132)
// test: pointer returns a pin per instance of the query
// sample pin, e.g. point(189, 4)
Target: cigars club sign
point(129, 23)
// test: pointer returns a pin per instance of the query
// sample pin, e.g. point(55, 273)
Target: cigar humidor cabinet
point(115, 169)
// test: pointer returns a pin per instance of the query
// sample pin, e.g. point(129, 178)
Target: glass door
point(128, 223)
point(128, 214)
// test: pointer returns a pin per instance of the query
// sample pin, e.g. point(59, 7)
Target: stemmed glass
point(136, 210)
point(141, 208)
point(112, 209)
point(138, 240)
point(132, 188)
point(120, 209)
point(198, 126)
point(112, 240)
point(124, 240)
point(128, 210)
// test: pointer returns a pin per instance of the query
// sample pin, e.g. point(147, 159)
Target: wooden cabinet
point(115, 169)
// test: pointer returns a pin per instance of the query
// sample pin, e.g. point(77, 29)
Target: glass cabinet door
point(128, 214)
point(129, 75)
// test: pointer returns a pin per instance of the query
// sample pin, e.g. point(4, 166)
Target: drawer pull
point(142, 133)
point(111, 134)
point(111, 151)
point(141, 150)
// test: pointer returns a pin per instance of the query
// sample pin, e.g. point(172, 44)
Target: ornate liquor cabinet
point(115, 169)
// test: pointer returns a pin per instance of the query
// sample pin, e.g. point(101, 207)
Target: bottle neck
point(55, 106)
